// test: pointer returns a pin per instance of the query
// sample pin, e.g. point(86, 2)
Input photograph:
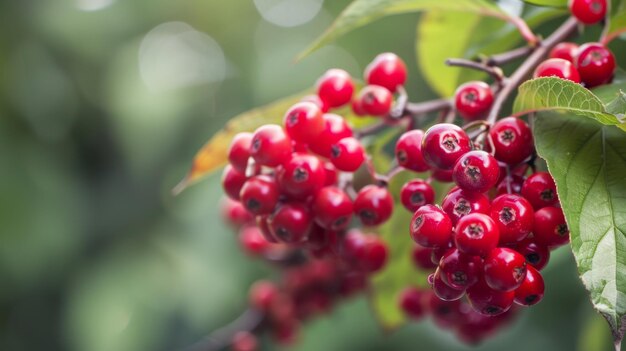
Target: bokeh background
point(103, 104)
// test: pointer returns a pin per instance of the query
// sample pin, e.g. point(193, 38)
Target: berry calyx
point(409, 151)
point(259, 194)
point(565, 50)
point(375, 100)
point(556, 67)
point(458, 270)
point(459, 203)
point(531, 291)
point(387, 70)
point(270, 146)
point(373, 205)
point(536, 255)
point(303, 122)
point(443, 144)
point(476, 234)
point(291, 222)
point(473, 99)
point(301, 176)
point(444, 291)
point(347, 154)
point(416, 193)
point(335, 87)
point(595, 63)
point(514, 217)
point(512, 140)
point(550, 227)
point(540, 190)
point(476, 171)
point(588, 11)
point(332, 208)
point(431, 227)
point(505, 269)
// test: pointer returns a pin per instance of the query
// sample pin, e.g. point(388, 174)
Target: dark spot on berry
point(402, 157)
point(530, 299)
point(459, 278)
point(519, 273)
point(283, 233)
point(450, 143)
point(300, 175)
point(417, 223)
point(562, 230)
point(533, 258)
point(469, 97)
point(507, 136)
point(462, 208)
point(292, 119)
point(367, 216)
point(507, 215)
point(475, 230)
point(547, 195)
point(369, 97)
point(417, 198)
point(492, 310)
point(256, 145)
point(335, 151)
point(339, 222)
point(473, 172)
point(253, 205)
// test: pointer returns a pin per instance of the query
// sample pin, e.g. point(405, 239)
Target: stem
point(506, 57)
point(221, 338)
point(533, 60)
point(421, 108)
point(495, 72)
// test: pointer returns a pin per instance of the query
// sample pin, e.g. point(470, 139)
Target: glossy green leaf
point(399, 272)
point(550, 3)
point(362, 12)
point(588, 163)
point(544, 94)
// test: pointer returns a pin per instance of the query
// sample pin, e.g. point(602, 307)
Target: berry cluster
point(494, 230)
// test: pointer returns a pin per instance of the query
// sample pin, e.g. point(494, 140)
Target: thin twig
point(420, 108)
point(495, 72)
point(506, 57)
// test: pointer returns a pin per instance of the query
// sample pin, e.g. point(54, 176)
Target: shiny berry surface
point(476, 234)
point(444, 291)
point(375, 100)
point(259, 194)
point(291, 222)
point(565, 51)
point(532, 289)
point(332, 208)
point(536, 255)
point(588, 11)
point(595, 63)
point(512, 140)
point(409, 151)
point(459, 270)
point(540, 190)
point(302, 176)
point(459, 203)
point(476, 171)
point(415, 194)
point(239, 151)
point(504, 269)
point(303, 122)
point(443, 144)
point(387, 70)
point(488, 301)
point(373, 205)
point(514, 217)
point(232, 181)
point(335, 129)
point(559, 68)
point(270, 146)
point(473, 100)
point(347, 154)
point(550, 227)
point(431, 227)
point(335, 87)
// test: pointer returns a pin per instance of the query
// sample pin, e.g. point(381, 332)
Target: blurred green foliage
point(102, 105)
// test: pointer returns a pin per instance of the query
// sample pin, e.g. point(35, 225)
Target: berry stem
point(420, 108)
point(567, 28)
point(495, 72)
point(249, 320)
point(506, 57)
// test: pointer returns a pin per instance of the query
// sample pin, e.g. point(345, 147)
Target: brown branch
point(495, 72)
point(420, 108)
point(506, 57)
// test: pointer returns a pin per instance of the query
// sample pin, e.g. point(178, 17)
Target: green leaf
point(617, 107)
point(434, 45)
point(213, 155)
point(362, 12)
point(544, 94)
point(399, 272)
point(616, 25)
point(607, 93)
point(550, 3)
point(588, 163)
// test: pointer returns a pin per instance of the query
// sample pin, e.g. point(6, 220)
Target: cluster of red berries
point(470, 327)
point(494, 230)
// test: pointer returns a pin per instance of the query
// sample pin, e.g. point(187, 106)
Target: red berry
point(232, 181)
point(510, 184)
point(459, 203)
point(595, 63)
point(369, 253)
point(488, 301)
point(357, 108)
point(347, 154)
point(335, 87)
point(322, 239)
point(261, 222)
point(458, 270)
point(536, 255)
point(443, 144)
point(445, 292)
point(444, 176)
point(234, 212)
point(476, 234)
point(514, 217)
point(556, 67)
point(330, 174)
point(550, 227)
point(291, 222)
point(588, 11)
point(262, 294)
point(416, 193)
point(476, 171)
point(244, 341)
point(239, 151)
point(532, 289)
point(421, 258)
point(445, 313)
point(303, 122)
point(271, 146)
point(505, 269)
point(301, 176)
point(317, 101)
point(373, 205)
point(473, 99)
point(539, 189)
point(386, 70)
point(431, 227)
point(333, 208)
point(411, 302)
point(565, 51)
point(252, 240)
point(259, 194)
point(375, 100)
point(335, 129)
point(409, 151)
point(438, 252)
point(512, 139)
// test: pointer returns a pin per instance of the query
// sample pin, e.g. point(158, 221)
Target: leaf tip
point(181, 186)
